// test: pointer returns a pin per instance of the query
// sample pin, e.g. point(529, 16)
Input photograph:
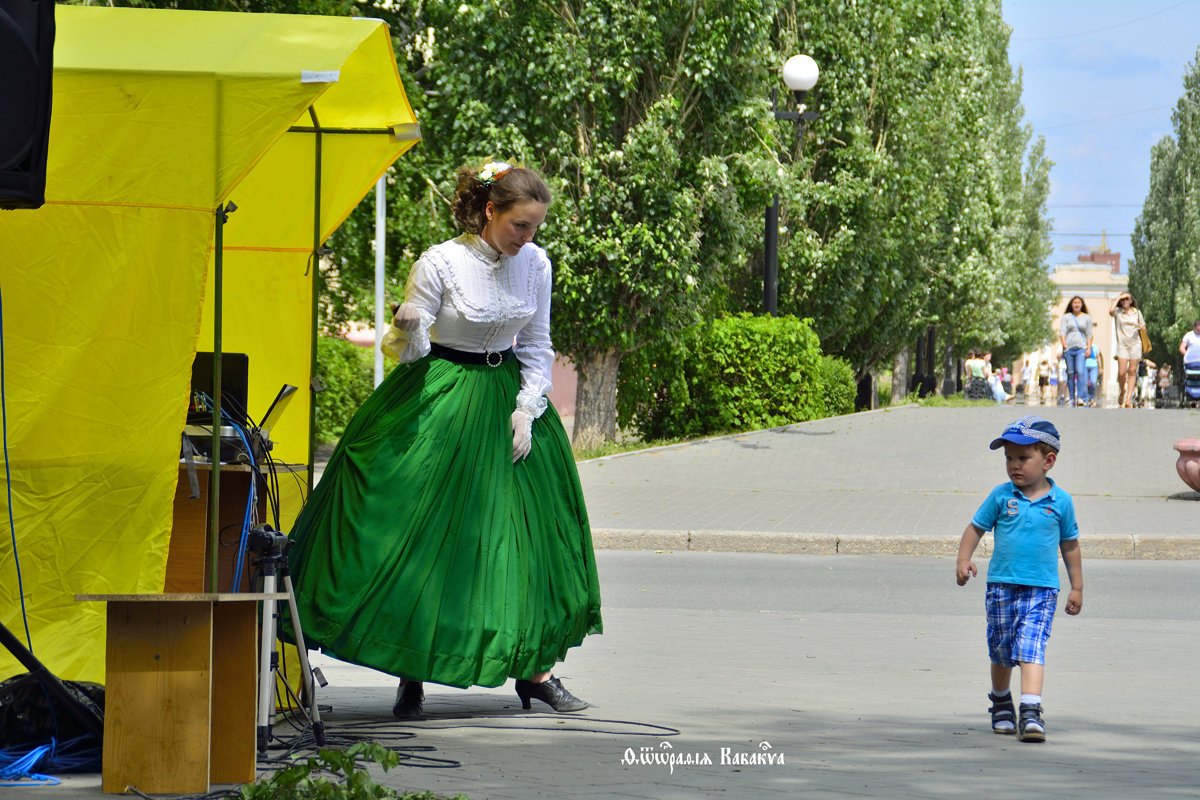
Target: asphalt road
point(866, 675)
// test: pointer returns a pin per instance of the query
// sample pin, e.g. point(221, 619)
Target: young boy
point(1033, 520)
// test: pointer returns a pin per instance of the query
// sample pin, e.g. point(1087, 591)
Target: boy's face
point(1026, 465)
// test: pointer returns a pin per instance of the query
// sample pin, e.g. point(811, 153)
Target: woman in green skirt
point(447, 540)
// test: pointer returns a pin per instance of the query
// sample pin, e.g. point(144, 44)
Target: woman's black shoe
point(408, 700)
point(550, 692)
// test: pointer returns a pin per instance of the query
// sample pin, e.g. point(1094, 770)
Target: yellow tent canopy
point(159, 118)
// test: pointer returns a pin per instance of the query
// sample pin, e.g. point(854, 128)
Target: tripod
point(270, 545)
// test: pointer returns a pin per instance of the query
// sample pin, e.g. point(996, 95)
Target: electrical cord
point(240, 421)
point(304, 746)
point(22, 766)
point(251, 507)
point(19, 771)
point(557, 726)
point(12, 526)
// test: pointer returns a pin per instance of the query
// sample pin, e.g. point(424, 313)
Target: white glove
point(407, 317)
point(522, 425)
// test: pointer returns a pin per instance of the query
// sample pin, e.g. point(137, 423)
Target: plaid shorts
point(1018, 623)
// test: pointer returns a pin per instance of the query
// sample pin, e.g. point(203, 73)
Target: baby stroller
point(1191, 385)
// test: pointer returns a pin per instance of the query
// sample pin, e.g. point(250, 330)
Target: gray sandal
point(1033, 729)
point(1003, 712)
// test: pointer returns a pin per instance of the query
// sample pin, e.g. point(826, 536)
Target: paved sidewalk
point(895, 481)
point(864, 676)
point(866, 693)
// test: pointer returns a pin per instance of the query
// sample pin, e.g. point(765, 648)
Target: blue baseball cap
point(1028, 430)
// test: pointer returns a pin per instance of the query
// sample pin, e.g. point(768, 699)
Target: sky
point(1100, 81)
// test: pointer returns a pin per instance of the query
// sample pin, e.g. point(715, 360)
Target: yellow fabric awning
point(159, 117)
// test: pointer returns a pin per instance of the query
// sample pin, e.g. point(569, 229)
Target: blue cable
point(12, 526)
point(19, 771)
point(19, 767)
point(240, 564)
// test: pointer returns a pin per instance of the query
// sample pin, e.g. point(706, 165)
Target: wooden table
point(170, 689)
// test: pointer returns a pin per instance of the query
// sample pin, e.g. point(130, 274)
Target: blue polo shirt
point(1027, 534)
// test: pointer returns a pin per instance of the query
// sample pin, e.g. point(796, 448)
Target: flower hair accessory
point(493, 170)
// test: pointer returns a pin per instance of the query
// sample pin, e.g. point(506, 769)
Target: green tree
point(1164, 273)
point(650, 125)
point(911, 206)
point(906, 205)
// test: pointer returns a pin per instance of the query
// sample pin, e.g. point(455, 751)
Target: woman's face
point(1076, 305)
point(510, 230)
point(1123, 301)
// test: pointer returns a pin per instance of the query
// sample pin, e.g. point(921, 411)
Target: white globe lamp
point(800, 73)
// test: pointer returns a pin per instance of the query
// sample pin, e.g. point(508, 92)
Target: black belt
point(492, 358)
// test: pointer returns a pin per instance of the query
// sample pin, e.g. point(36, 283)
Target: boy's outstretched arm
point(966, 547)
point(1074, 562)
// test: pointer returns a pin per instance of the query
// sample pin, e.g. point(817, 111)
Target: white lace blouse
point(471, 297)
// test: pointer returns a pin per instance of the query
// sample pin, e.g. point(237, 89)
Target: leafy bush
point(348, 372)
point(296, 782)
point(838, 388)
point(735, 373)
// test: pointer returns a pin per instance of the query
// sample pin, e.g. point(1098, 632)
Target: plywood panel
point(187, 559)
point(189, 537)
point(235, 689)
point(159, 681)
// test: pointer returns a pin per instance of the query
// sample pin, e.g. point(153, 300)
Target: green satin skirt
point(425, 552)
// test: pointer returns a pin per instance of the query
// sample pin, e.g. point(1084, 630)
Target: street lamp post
point(800, 73)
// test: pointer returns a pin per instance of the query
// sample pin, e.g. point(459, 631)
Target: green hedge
point(348, 372)
point(736, 373)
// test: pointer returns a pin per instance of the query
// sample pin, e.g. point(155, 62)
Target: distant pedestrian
point(1093, 362)
point(1043, 377)
point(1128, 321)
point(1075, 336)
point(1189, 347)
point(1163, 384)
point(975, 372)
point(1033, 520)
point(999, 394)
point(1146, 372)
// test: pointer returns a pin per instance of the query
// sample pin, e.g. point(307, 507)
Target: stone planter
point(1188, 465)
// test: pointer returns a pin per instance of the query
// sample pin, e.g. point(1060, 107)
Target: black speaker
point(26, 47)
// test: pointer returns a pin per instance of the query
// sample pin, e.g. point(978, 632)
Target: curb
point(1131, 547)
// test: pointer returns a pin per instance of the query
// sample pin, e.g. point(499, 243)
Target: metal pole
point(316, 267)
point(771, 233)
point(214, 475)
point(771, 258)
point(949, 375)
point(380, 240)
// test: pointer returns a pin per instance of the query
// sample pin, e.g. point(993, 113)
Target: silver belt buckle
point(488, 358)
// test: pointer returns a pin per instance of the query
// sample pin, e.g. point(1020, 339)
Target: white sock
point(1031, 699)
point(997, 693)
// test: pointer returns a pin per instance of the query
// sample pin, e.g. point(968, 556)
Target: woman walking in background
point(1075, 336)
point(1128, 320)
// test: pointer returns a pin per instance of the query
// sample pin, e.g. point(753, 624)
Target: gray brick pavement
point(904, 480)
